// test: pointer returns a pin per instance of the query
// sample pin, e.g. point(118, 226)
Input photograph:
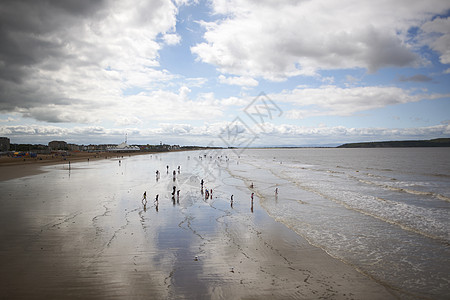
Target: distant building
point(123, 147)
point(57, 145)
point(73, 147)
point(4, 144)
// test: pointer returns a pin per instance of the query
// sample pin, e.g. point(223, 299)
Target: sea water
point(383, 211)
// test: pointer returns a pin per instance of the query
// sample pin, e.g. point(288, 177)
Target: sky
point(245, 73)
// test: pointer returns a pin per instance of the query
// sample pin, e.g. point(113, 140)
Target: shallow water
point(384, 211)
point(84, 232)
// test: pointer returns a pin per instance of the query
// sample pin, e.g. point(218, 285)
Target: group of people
point(144, 201)
point(207, 192)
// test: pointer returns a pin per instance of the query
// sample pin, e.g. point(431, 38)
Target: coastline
point(85, 238)
point(17, 167)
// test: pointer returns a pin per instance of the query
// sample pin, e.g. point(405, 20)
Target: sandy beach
point(15, 167)
point(86, 233)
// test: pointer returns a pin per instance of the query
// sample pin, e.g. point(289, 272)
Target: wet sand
point(16, 167)
point(84, 233)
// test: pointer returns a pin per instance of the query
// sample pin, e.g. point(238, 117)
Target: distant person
point(144, 199)
point(167, 169)
point(174, 175)
point(211, 193)
point(251, 185)
point(179, 170)
point(252, 197)
point(276, 191)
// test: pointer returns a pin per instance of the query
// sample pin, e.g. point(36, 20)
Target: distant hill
point(443, 142)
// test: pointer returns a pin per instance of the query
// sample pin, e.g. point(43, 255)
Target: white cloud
point(333, 100)
point(128, 120)
point(437, 35)
point(279, 39)
point(63, 60)
point(238, 80)
point(187, 134)
point(171, 39)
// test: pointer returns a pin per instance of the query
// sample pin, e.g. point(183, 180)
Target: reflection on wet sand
point(95, 235)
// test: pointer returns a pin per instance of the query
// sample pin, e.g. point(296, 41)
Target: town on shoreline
point(61, 151)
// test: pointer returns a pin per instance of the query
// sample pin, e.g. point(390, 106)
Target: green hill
point(442, 142)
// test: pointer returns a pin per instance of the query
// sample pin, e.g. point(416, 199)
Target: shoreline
point(17, 167)
point(93, 238)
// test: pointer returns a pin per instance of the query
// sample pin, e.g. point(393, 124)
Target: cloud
point(436, 34)
point(58, 58)
point(171, 39)
point(238, 80)
point(333, 100)
point(415, 78)
point(276, 40)
point(207, 134)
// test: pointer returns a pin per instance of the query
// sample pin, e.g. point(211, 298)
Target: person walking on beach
point(231, 202)
point(144, 200)
point(167, 169)
point(178, 169)
point(211, 193)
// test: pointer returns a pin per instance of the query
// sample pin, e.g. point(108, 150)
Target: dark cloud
point(415, 78)
point(35, 38)
point(384, 50)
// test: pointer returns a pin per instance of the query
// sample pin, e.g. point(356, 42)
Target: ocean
point(87, 229)
point(384, 211)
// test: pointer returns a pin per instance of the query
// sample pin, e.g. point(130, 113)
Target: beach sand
point(84, 233)
point(15, 167)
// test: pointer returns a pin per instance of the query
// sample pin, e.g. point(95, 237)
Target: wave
point(404, 190)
